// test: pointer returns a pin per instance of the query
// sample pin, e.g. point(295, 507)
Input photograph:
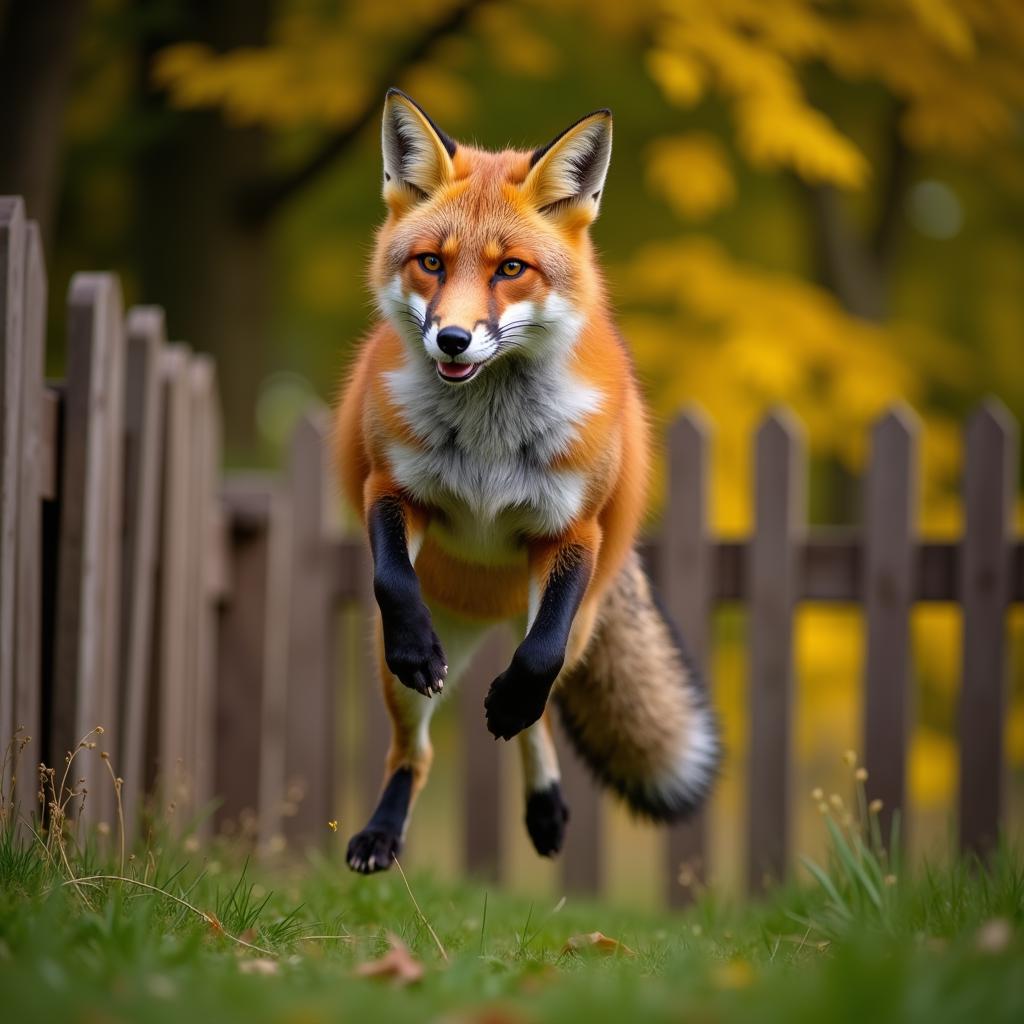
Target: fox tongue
point(456, 370)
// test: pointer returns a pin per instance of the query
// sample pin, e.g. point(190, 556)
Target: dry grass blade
point(423, 918)
point(209, 917)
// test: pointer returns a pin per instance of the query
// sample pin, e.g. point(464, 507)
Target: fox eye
point(430, 263)
point(511, 268)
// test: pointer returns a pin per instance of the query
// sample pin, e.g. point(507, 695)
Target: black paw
point(517, 698)
point(413, 652)
point(372, 850)
point(546, 815)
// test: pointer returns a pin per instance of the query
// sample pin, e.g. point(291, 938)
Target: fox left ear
point(417, 154)
point(569, 172)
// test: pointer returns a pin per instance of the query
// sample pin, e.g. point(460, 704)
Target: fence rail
point(199, 617)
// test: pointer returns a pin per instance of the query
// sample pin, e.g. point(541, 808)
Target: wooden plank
point(168, 772)
point(830, 560)
point(889, 522)
point(87, 617)
point(312, 677)
point(989, 491)
point(582, 856)
point(375, 726)
point(28, 606)
point(143, 426)
point(481, 770)
point(773, 586)
point(207, 457)
point(252, 662)
point(49, 416)
point(12, 323)
point(685, 574)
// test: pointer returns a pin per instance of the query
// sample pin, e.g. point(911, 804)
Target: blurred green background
point(810, 202)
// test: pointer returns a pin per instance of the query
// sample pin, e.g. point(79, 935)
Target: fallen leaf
point(596, 942)
point(258, 965)
point(733, 974)
point(397, 965)
point(212, 920)
point(994, 936)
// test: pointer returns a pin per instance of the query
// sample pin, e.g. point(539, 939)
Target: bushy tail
point(636, 711)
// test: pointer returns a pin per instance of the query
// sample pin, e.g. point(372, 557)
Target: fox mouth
point(457, 373)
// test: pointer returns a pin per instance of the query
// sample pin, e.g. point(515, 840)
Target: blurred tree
point(37, 50)
point(209, 185)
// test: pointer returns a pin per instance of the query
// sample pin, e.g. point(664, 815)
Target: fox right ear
point(417, 154)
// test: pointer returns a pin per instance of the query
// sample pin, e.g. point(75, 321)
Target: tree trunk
point(196, 258)
point(37, 50)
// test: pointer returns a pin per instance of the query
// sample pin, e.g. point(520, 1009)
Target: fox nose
point(453, 340)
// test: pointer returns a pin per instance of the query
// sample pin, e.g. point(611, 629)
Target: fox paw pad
point(372, 850)
point(546, 817)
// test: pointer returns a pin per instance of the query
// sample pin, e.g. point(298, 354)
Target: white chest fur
point(487, 447)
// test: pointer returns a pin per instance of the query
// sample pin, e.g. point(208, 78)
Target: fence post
point(204, 488)
point(12, 298)
point(309, 768)
point(375, 733)
point(583, 855)
point(168, 715)
point(481, 770)
point(143, 422)
point(773, 588)
point(685, 577)
point(88, 574)
point(28, 680)
point(889, 534)
point(252, 660)
point(991, 466)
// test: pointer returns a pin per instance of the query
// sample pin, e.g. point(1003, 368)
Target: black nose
point(453, 340)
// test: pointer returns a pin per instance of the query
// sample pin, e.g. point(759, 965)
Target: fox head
point(487, 256)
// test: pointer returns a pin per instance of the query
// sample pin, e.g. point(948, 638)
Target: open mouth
point(457, 373)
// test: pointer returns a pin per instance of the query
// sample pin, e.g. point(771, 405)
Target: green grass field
point(859, 942)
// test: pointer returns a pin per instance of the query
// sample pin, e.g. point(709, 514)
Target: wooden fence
point(198, 618)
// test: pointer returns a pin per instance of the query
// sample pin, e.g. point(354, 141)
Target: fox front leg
point(411, 648)
point(518, 696)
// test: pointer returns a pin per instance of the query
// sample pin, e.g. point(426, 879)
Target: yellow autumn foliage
point(692, 174)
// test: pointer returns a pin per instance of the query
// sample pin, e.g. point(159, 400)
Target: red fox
point(493, 436)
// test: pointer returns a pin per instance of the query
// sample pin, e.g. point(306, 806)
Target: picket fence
point(201, 618)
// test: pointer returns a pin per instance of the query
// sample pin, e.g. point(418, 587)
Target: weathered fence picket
point(990, 469)
point(312, 663)
point(12, 298)
point(481, 761)
point(143, 423)
point(88, 576)
point(684, 576)
point(889, 525)
point(774, 586)
point(217, 627)
point(28, 590)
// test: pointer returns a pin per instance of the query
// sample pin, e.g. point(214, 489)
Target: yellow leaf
point(692, 173)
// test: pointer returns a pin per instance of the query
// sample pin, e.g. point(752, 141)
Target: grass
point(208, 936)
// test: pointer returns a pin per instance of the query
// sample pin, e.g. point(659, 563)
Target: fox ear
point(417, 154)
point(569, 171)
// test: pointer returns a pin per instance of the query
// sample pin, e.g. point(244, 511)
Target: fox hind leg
point(546, 810)
point(411, 753)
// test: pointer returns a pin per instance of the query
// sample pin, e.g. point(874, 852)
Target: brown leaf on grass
point(994, 936)
point(596, 942)
point(397, 965)
point(258, 965)
point(214, 922)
